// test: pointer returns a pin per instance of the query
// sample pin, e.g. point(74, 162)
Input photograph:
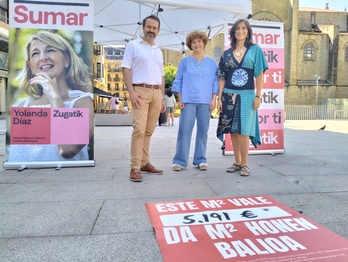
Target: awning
point(101, 93)
point(116, 22)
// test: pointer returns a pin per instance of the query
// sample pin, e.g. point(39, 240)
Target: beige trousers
point(145, 119)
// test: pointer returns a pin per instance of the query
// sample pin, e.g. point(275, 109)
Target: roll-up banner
point(50, 95)
point(270, 37)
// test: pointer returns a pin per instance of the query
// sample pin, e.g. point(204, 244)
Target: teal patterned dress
point(238, 115)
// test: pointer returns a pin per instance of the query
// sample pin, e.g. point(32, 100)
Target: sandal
point(233, 168)
point(244, 171)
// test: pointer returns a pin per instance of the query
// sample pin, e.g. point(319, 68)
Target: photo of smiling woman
point(52, 76)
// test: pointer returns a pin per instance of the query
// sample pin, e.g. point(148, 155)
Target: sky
point(333, 4)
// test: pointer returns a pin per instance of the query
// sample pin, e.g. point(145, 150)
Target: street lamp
point(316, 90)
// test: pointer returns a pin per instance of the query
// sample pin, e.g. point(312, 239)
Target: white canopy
point(119, 21)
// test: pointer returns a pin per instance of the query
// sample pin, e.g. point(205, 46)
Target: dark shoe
point(135, 175)
point(151, 169)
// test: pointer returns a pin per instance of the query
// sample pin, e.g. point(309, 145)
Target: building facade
point(316, 50)
point(4, 33)
point(116, 84)
point(316, 53)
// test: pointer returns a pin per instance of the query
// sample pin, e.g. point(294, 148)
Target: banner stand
point(50, 164)
point(259, 152)
point(50, 56)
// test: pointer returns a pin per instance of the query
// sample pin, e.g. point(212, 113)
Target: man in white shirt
point(143, 74)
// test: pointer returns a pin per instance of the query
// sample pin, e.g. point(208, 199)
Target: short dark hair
point(248, 41)
point(154, 17)
point(169, 92)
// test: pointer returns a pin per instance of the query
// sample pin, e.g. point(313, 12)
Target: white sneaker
point(203, 166)
point(176, 168)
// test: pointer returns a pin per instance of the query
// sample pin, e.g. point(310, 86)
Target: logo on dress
point(239, 77)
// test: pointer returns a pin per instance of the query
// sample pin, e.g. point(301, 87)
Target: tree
point(169, 75)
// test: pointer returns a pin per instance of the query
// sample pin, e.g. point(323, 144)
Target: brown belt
point(147, 86)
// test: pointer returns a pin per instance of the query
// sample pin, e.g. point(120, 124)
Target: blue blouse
point(240, 76)
point(196, 81)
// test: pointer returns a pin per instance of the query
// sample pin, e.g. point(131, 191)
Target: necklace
point(238, 53)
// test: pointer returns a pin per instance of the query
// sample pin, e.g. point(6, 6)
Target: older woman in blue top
point(196, 84)
point(239, 99)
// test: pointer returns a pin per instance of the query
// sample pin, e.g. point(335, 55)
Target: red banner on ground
point(250, 228)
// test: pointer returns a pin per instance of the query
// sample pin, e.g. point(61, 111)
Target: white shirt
point(145, 61)
point(170, 101)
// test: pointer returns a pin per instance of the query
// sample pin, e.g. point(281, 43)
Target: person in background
point(196, 84)
point(125, 106)
point(143, 73)
point(53, 76)
point(114, 104)
point(170, 102)
point(238, 100)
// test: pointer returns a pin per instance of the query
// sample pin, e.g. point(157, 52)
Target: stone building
point(316, 49)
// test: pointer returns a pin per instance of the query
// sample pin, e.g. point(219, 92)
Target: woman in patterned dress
point(239, 99)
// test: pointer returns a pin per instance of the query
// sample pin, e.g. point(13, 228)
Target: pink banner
point(30, 125)
point(70, 126)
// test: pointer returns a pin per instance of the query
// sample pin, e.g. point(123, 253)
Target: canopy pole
point(140, 23)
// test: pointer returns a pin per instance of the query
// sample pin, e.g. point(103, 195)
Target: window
point(265, 19)
point(97, 50)
point(308, 52)
point(98, 70)
point(217, 53)
point(346, 54)
point(3, 14)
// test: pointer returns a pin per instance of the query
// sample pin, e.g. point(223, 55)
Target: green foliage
point(169, 75)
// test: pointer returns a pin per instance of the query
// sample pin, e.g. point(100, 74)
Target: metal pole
point(316, 90)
